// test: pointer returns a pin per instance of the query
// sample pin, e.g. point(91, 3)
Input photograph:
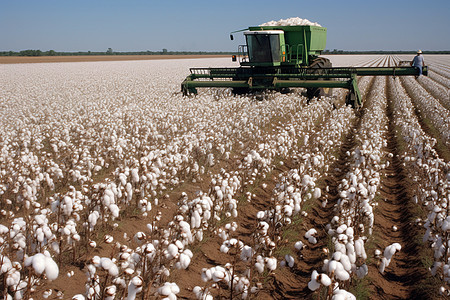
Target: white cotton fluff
point(134, 287)
point(298, 245)
point(359, 249)
point(291, 22)
point(391, 249)
point(51, 268)
point(247, 253)
point(317, 193)
point(310, 236)
point(271, 263)
point(43, 263)
point(172, 250)
point(388, 253)
point(339, 294)
point(6, 264)
point(259, 267)
point(13, 278)
point(290, 261)
point(314, 284)
point(114, 210)
point(345, 261)
point(446, 224)
point(362, 271)
point(218, 274)
point(325, 280)
point(206, 274)
point(107, 264)
point(341, 273)
point(185, 260)
point(135, 175)
point(3, 229)
point(38, 262)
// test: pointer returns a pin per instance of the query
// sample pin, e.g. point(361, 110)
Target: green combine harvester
point(283, 57)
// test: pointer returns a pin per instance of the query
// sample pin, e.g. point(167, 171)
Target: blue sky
point(137, 25)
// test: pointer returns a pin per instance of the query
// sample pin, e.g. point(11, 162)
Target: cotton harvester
point(283, 57)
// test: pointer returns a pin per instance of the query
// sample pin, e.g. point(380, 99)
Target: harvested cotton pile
point(291, 22)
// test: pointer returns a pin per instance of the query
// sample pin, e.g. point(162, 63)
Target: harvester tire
point(319, 63)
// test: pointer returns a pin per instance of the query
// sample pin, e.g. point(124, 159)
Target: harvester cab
point(282, 46)
point(283, 57)
point(263, 48)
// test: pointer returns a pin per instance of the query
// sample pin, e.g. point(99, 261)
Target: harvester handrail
point(290, 52)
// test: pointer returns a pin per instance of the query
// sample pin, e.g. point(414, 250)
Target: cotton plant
point(422, 161)
point(130, 152)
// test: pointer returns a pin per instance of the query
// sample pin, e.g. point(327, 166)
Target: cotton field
point(113, 185)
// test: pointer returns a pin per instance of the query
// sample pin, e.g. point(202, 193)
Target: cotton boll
point(362, 271)
point(174, 288)
point(218, 275)
point(206, 275)
point(106, 263)
point(383, 265)
point(224, 248)
point(172, 251)
point(359, 249)
point(134, 287)
point(110, 292)
point(345, 261)
point(246, 253)
point(341, 273)
point(39, 263)
point(6, 263)
point(259, 267)
point(310, 236)
point(391, 249)
point(377, 252)
point(298, 245)
point(51, 268)
point(313, 284)
point(165, 290)
point(185, 260)
point(13, 278)
point(339, 294)
point(198, 292)
point(271, 263)
point(108, 239)
point(289, 260)
point(113, 270)
point(317, 193)
point(325, 280)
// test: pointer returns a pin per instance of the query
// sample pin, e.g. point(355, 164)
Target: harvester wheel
point(319, 63)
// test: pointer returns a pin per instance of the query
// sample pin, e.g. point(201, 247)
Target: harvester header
point(279, 57)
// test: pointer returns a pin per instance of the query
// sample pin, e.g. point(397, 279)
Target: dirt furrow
point(405, 277)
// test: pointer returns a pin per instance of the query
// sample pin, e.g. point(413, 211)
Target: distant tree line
point(109, 52)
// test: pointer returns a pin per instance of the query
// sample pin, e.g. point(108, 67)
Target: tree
point(51, 53)
point(164, 51)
